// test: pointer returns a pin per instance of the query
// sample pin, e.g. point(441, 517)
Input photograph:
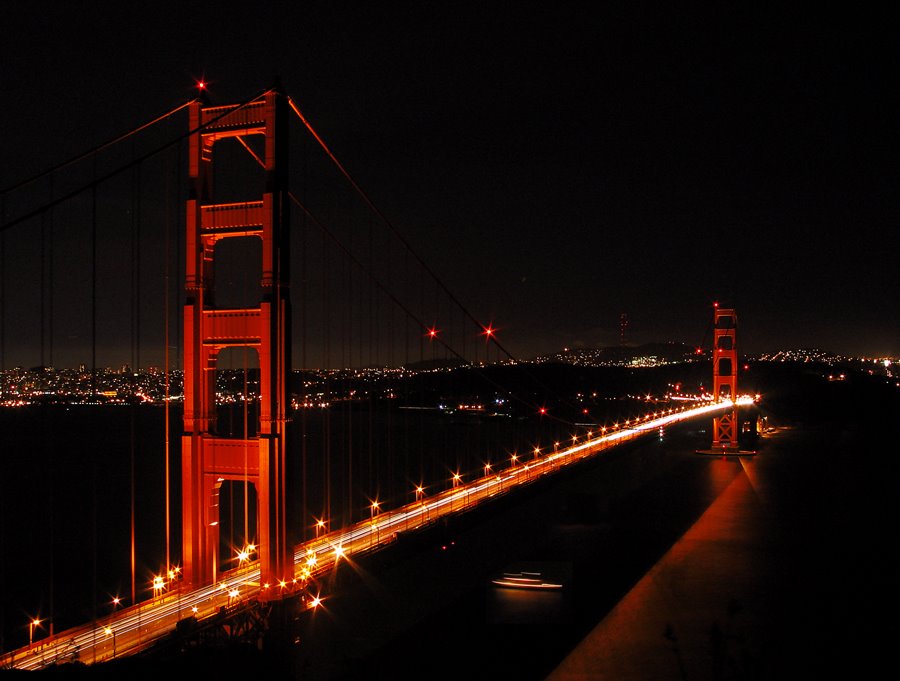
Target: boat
point(525, 580)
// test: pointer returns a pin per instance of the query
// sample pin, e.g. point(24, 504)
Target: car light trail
point(132, 629)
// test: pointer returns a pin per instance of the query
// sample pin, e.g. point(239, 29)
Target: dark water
point(597, 528)
point(79, 482)
point(425, 608)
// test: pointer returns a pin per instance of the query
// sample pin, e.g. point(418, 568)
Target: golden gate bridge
point(207, 262)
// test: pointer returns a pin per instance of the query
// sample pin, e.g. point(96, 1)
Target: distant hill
point(658, 353)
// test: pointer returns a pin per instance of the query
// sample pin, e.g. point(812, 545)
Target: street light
point(109, 631)
point(175, 576)
point(32, 625)
point(420, 496)
point(373, 509)
point(320, 527)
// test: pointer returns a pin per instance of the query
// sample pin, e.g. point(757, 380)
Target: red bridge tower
point(208, 459)
point(725, 363)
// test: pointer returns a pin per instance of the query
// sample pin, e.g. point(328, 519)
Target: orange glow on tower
point(207, 459)
point(725, 366)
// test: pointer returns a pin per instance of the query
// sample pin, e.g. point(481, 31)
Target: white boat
point(525, 580)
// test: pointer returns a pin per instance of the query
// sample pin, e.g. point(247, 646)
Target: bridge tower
point(725, 363)
point(208, 459)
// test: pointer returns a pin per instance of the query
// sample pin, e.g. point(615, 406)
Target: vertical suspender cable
point(326, 363)
point(3, 474)
point(46, 431)
point(132, 361)
point(133, 259)
point(347, 362)
point(303, 367)
point(371, 397)
point(166, 265)
point(94, 360)
point(2, 290)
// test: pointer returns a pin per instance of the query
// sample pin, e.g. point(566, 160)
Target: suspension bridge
point(214, 253)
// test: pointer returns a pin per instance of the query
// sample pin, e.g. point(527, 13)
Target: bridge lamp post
point(175, 576)
point(373, 511)
point(420, 496)
point(158, 585)
point(456, 479)
point(320, 527)
point(109, 631)
point(32, 625)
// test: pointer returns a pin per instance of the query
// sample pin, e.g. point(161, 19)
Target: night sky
point(555, 167)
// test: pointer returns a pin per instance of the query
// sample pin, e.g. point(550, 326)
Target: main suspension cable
point(138, 160)
point(490, 336)
point(98, 148)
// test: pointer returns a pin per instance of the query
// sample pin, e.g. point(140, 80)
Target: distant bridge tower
point(725, 426)
point(207, 459)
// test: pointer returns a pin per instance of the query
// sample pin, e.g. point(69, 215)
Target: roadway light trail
point(130, 630)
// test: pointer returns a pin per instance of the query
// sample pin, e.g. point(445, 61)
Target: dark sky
point(555, 167)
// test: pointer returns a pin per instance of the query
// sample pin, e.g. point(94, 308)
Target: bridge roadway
point(136, 628)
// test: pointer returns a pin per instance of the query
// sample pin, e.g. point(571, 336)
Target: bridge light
point(32, 624)
point(158, 585)
point(432, 333)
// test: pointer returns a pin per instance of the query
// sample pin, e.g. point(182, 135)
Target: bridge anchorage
point(726, 425)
